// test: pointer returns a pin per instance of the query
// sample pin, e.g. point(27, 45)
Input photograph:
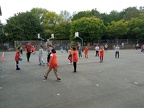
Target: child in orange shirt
point(74, 58)
point(86, 52)
point(101, 53)
point(53, 64)
point(17, 58)
point(33, 49)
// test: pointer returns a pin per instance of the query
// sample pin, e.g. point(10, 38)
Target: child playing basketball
point(17, 58)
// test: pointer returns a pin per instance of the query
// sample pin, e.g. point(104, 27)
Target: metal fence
point(128, 43)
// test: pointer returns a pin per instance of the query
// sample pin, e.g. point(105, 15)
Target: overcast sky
point(10, 7)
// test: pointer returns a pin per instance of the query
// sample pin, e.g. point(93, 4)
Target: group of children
point(29, 49)
point(52, 58)
point(53, 64)
point(99, 52)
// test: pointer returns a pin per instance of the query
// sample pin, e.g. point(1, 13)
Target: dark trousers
point(28, 56)
point(97, 53)
point(17, 64)
point(48, 57)
point(75, 66)
point(116, 54)
point(101, 58)
point(70, 58)
point(21, 51)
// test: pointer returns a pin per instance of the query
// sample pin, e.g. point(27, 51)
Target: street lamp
point(77, 35)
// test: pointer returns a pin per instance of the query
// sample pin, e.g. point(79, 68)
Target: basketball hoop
point(76, 34)
point(38, 35)
point(52, 36)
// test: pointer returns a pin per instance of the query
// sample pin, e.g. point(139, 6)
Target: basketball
point(20, 58)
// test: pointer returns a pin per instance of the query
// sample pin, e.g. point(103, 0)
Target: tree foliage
point(92, 13)
point(90, 29)
point(112, 16)
point(115, 29)
point(136, 26)
point(53, 23)
point(131, 12)
point(23, 26)
point(91, 24)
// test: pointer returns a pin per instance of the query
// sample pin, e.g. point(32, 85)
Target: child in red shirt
point(101, 53)
point(28, 51)
point(17, 58)
point(86, 52)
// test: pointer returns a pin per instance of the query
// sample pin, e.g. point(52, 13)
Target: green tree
point(116, 29)
point(63, 28)
point(112, 16)
point(52, 23)
point(130, 12)
point(89, 13)
point(90, 29)
point(22, 26)
point(2, 36)
point(136, 26)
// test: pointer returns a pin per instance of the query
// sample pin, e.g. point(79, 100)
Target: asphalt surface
point(115, 83)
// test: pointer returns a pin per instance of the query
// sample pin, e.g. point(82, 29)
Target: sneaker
point(58, 79)
point(45, 77)
point(17, 68)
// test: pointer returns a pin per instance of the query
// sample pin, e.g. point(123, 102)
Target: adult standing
point(106, 46)
point(117, 48)
point(79, 50)
point(28, 51)
point(74, 58)
point(97, 50)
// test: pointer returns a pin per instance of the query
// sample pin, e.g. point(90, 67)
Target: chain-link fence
point(128, 43)
point(123, 43)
